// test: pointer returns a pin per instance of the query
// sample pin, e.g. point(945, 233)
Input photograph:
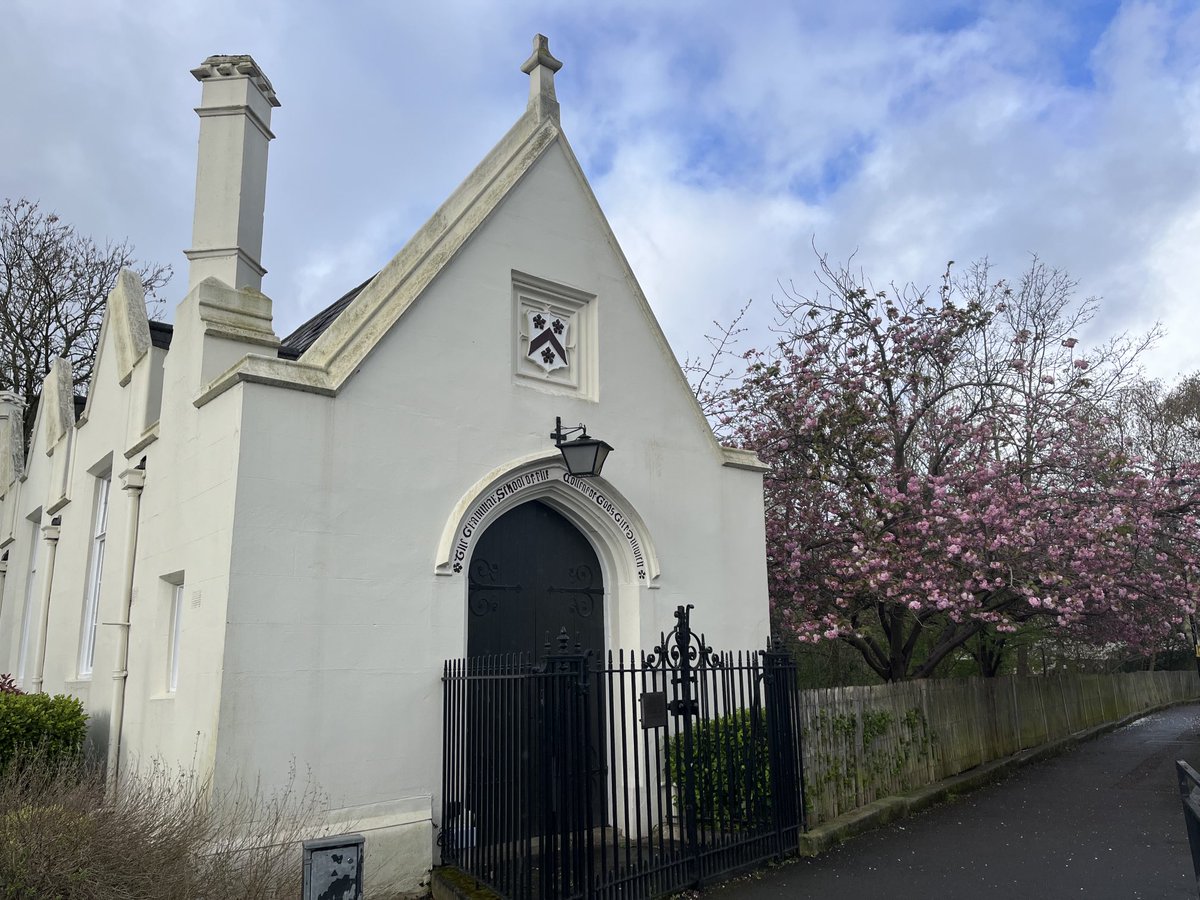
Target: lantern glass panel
point(585, 457)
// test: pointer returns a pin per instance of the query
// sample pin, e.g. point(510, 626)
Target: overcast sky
point(724, 140)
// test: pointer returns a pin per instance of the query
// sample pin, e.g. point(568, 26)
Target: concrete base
point(449, 883)
point(398, 845)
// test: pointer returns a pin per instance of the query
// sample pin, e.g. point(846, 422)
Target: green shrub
point(51, 726)
point(730, 761)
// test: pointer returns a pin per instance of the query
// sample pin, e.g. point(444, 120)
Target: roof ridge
point(541, 111)
point(478, 190)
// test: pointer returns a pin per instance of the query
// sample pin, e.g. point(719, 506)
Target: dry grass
point(162, 836)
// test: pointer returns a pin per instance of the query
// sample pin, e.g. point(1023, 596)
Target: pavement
point(1102, 820)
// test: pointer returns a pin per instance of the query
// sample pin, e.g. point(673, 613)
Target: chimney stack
point(231, 172)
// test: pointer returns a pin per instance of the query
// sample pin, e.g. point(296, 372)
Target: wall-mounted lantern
point(585, 455)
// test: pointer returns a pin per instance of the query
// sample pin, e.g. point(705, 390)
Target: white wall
point(338, 624)
point(185, 534)
point(185, 524)
point(23, 504)
point(306, 528)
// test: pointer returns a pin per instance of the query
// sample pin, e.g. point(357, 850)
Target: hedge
point(730, 764)
point(52, 726)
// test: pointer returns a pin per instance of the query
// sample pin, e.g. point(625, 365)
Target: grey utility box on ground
point(333, 868)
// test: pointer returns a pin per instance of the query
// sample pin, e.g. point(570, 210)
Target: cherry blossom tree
point(949, 466)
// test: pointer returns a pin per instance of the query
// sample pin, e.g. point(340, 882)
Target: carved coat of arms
point(547, 339)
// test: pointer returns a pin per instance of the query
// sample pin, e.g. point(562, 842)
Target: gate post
point(566, 845)
point(686, 706)
point(783, 746)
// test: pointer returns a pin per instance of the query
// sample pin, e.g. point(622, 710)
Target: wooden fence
point(864, 743)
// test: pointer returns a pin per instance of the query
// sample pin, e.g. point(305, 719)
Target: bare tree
point(1161, 422)
point(710, 376)
point(53, 286)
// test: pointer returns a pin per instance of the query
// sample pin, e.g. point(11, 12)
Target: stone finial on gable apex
point(540, 67)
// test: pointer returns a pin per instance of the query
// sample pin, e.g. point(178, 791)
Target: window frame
point(27, 612)
point(91, 602)
point(173, 633)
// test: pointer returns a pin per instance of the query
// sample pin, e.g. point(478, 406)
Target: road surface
point(1100, 821)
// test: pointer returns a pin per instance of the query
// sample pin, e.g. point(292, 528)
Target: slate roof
point(292, 346)
point(358, 321)
point(161, 333)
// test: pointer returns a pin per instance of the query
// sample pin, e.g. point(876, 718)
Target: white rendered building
point(248, 552)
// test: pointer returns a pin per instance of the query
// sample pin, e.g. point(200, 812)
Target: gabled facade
point(289, 531)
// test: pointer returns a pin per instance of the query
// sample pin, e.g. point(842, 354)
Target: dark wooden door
point(532, 574)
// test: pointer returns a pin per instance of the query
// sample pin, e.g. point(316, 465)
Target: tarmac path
point(1100, 821)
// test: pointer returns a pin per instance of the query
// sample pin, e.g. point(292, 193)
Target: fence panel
point(863, 743)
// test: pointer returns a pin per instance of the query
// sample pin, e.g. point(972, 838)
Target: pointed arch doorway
point(533, 573)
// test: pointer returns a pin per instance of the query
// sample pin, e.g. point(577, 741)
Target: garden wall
point(864, 743)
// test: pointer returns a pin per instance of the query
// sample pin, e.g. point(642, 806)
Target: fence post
point(783, 746)
point(449, 835)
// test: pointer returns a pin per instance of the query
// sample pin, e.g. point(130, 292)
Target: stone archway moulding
point(591, 502)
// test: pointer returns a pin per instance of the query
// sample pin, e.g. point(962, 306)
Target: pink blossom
point(935, 496)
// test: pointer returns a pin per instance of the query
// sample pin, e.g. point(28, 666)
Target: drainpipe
point(3, 578)
point(50, 533)
point(132, 480)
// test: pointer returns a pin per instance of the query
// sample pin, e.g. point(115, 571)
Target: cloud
point(979, 142)
point(722, 142)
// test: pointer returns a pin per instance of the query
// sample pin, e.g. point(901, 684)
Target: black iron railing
point(629, 776)
point(1189, 796)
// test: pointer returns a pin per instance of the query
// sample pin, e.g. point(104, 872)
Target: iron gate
point(629, 776)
